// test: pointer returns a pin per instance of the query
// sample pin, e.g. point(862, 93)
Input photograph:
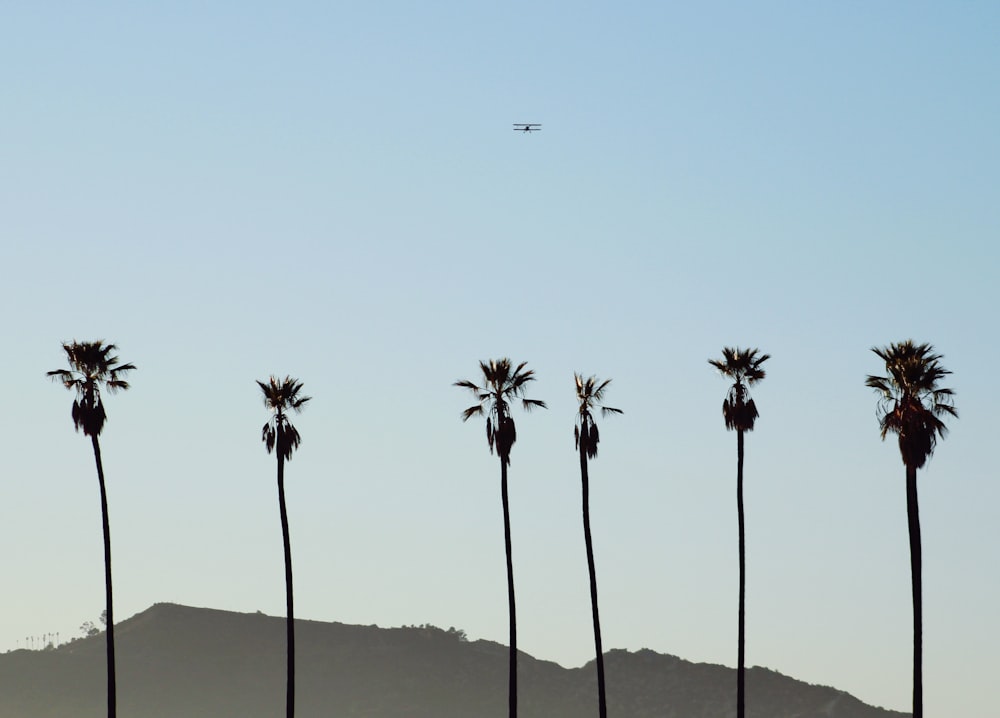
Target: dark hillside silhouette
point(93, 367)
point(181, 662)
point(501, 385)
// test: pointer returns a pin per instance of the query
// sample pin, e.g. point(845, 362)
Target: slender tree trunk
point(913, 519)
point(512, 679)
point(289, 609)
point(110, 632)
point(602, 707)
point(741, 636)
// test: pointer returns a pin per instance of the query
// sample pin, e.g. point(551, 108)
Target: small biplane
point(527, 127)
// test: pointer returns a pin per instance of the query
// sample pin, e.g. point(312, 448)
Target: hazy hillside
point(181, 662)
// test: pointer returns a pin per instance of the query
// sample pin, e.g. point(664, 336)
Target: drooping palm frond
point(93, 367)
point(472, 411)
point(743, 366)
point(911, 402)
point(501, 385)
point(590, 394)
point(280, 397)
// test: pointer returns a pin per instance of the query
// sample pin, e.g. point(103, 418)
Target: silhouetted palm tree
point(501, 385)
point(93, 367)
point(911, 406)
point(586, 436)
point(740, 413)
point(278, 433)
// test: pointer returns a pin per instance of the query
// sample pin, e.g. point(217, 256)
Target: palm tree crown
point(93, 365)
point(743, 367)
point(501, 385)
point(590, 394)
point(280, 397)
point(912, 403)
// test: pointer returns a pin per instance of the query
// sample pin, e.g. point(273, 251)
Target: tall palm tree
point(911, 405)
point(93, 367)
point(590, 394)
point(501, 385)
point(743, 367)
point(280, 397)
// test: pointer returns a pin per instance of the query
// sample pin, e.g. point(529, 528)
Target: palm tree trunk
point(512, 679)
point(110, 634)
point(741, 636)
point(913, 519)
point(289, 609)
point(602, 707)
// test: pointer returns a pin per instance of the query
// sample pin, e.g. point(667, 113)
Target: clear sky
point(333, 191)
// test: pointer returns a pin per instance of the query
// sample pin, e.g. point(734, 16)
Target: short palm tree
point(743, 367)
point(590, 394)
point(93, 367)
point(912, 405)
point(278, 435)
point(503, 383)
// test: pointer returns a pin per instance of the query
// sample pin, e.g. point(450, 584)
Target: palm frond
point(472, 411)
point(939, 409)
point(598, 392)
point(299, 402)
point(115, 385)
point(518, 381)
point(879, 383)
point(288, 440)
point(267, 435)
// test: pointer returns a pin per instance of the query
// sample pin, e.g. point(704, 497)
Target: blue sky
point(333, 191)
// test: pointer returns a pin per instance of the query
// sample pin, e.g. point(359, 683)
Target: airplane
point(527, 127)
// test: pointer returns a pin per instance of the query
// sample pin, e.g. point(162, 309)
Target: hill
point(181, 662)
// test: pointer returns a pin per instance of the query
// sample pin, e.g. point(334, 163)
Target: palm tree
point(278, 433)
point(501, 385)
point(586, 437)
point(740, 413)
point(93, 367)
point(911, 406)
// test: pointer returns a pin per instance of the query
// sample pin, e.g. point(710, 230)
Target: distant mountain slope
point(181, 662)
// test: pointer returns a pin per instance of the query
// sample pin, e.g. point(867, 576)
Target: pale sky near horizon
point(333, 191)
